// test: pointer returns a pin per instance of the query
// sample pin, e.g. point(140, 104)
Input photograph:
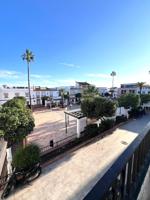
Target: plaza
point(50, 125)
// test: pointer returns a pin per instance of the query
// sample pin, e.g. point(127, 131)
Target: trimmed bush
point(27, 157)
point(138, 112)
point(106, 124)
point(120, 119)
point(129, 100)
point(92, 130)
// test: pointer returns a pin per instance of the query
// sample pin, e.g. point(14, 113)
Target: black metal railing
point(57, 144)
point(123, 180)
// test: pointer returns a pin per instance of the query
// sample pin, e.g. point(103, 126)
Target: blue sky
point(75, 40)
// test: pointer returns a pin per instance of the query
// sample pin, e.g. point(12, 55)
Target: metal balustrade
point(123, 180)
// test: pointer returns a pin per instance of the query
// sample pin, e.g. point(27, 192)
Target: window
point(5, 95)
point(17, 94)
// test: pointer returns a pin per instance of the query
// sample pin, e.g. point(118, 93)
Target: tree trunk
point(29, 84)
point(24, 142)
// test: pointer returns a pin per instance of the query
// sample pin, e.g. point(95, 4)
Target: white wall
point(13, 92)
point(121, 111)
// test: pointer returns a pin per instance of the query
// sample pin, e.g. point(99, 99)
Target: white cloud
point(9, 74)
point(13, 78)
point(69, 65)
point(37, 76)
point(4, 74)
point(98, 75)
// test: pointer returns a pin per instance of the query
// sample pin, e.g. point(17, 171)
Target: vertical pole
point(78, 128)
point(66, 122)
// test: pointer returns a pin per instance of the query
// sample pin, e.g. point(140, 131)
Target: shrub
point(27, 157)
point(92, 129)
point(145, 98)
point(129, 100)
point(136, 112)
point(106, 124)
point(120, 119)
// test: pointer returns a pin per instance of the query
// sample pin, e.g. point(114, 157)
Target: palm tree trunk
point(112, 81)
point(29, 84)
point(140, 90)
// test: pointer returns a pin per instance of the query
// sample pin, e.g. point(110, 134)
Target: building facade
point(133, 88)
point(7, 93)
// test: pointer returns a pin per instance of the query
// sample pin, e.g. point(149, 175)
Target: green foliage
point(98, 107)
point(120, 119)
point(136, 112)
point(129, 100)
point(92, 129)
point(88, 107)
point(27, 157)
point(145, 98)
point(16, 121)
point(66, 95)
point(28, 56)
point(78, 95)
point(140, 85)
point(106, 124)
point(18, 102)
point(91, 91)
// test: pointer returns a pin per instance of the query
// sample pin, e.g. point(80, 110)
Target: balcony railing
point(123, 180)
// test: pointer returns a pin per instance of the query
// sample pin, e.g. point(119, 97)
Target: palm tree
point(62, 94)
point(140, 85)
point(67, 97)
point(113, 74)
point(28, 56)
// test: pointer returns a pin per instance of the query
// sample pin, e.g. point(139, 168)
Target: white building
point(103, 90)
point(7, 93)
point(133, 88)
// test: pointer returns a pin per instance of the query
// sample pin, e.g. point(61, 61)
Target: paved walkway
point(73, 176)
point(50, 125)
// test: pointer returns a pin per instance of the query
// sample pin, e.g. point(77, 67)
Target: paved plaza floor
point(73, 176)
point(50, 124)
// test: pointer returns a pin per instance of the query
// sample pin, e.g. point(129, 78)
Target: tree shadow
point(55, 131)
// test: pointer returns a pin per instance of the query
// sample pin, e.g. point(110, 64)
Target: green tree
point(129, 100)
point(140, 85)
point(67, 97)
point(98, 107)
point(78, 96)
point(113, 74)
point(18, 102)
point(64, 95)
point(91, 91)
point(145, 98)
point(28, 56)
point(16, 121)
